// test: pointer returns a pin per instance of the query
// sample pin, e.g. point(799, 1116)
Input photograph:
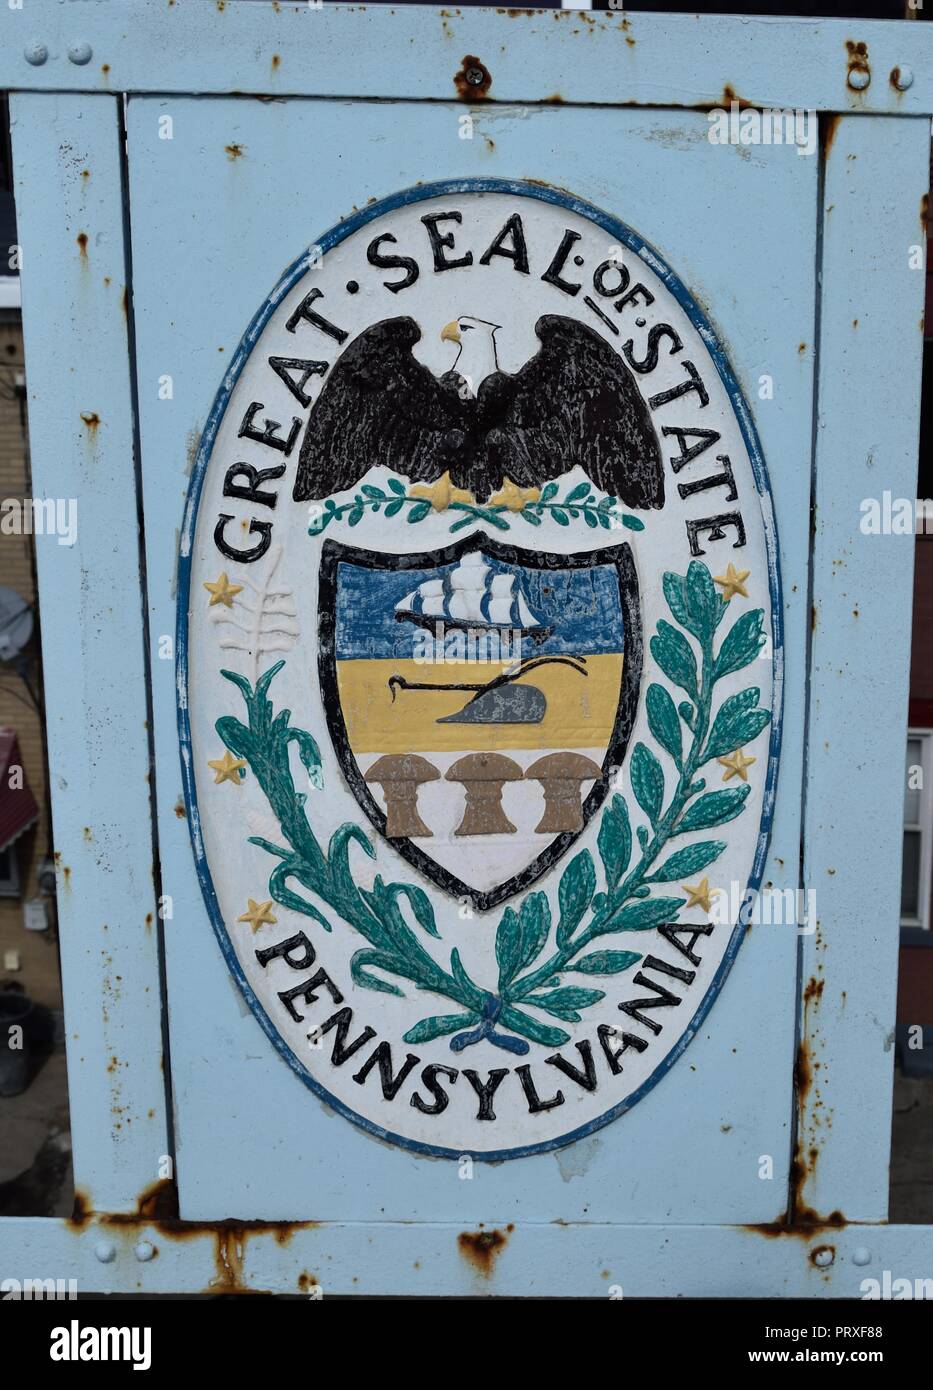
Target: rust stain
point(91, 419)
point(221, 5)
point(105, 68)
point(473, 80)
point(858, 60)
point(555, 99)
point(87, 834)
point(307, 1281)
point(179, 809)
point(81, 239)
point(235, 151)
point(81, 1211)
point(125, 302)
point(801, 347)
point(481, 1247)
point(924, 213)
point(813, 617)
point(276, 60)
point(729, 95)
point(829, 125)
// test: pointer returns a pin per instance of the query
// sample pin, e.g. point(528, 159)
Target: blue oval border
point(624, 235)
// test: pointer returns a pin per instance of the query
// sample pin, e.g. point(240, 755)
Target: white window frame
point(925, 826)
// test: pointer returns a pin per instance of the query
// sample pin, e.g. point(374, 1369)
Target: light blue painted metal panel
point(871, 330)
point(279, 49)
point(428, 1260)
point(228, 240)
point(70, 224)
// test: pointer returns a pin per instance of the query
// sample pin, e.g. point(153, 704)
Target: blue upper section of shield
point(580, 606)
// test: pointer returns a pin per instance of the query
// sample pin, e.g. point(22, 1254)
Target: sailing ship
point(471, 595)
point(474, 598)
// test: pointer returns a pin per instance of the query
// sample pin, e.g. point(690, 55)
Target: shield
point(479, 698)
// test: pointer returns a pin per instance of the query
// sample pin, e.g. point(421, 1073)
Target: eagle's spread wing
point(574, 402)
point(380, 405)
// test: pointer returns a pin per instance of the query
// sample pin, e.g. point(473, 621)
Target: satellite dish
point(15, 623)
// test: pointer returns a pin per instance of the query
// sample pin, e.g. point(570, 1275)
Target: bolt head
point(143, 1250)
point(475, 77)
point(79, 53)
point(859, 79)
point(904, 79)
point(36, 54)
point(823, 1258)
point(106, 1251)
point(861, 1255)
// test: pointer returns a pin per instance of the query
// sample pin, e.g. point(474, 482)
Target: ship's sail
point(471, 595)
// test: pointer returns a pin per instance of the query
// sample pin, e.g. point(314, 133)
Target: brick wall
point(38, 952)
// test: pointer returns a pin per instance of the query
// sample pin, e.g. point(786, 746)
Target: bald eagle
point(574, 402)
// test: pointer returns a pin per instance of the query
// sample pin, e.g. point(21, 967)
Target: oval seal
point(479, 667)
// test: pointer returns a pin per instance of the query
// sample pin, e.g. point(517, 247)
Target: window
point(9, 873)
point(918, 830)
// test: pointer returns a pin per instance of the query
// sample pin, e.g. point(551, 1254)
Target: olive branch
point(579, 503)
point(687, 733)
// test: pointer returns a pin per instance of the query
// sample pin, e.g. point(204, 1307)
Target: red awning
point(18, 807)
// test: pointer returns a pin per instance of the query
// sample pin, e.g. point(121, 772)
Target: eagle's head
point(476, 355)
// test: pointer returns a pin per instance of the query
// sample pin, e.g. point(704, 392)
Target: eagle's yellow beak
point(450, 333)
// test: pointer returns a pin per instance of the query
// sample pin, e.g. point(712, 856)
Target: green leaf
point(576, 889)
point(241, 682)
point(641, 916)
point(236, 736)
point(548, 491)
point(418, 512)
point(674, 655)
point(309, 753)
point(384, 960)
point(614, 840)
point(473, 996)
point(702, 601)
point(715, 808)
point(674, 586)
point(420, 905)
point(564, 1003)
point(663, 721)
point(529, 1027)
point(282, 894)
point(560, 517)
point(369, 491)
point(590, 519)
point(527, 515)
point(395, 507)
point(577, 493)
point(438, 1025)
point(687, 713)
point(338, 852)
point(606, 962)
point(395, 486)
point(633, 523)
point(520, 937)
point(741, 643)
point(647, 782)
point(737, 723)
point(689, 860)
point(356, 515)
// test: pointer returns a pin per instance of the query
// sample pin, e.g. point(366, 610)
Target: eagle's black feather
point(574, 403)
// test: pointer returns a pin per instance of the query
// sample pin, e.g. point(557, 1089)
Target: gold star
point(701, 895)
point(222, 591)
point(227, 768)
point(733, 581)
point(258, 915)
point(441, 493)
point(513, 497)
point(736, 763)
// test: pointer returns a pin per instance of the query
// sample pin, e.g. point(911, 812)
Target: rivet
point(861, 1255)
point(475, 77)
point(106, 1251)
point(859, 79)
point(36, 53)
point(144, 1251)
point(824, 1257)
point(79, 53)
point(904, 78)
